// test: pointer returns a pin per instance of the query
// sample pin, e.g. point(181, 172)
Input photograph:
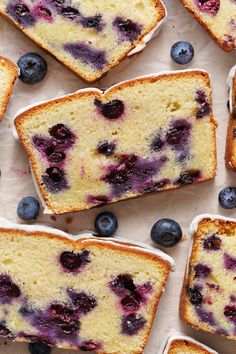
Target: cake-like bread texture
point(230, 155)
point(181, 344)
point(218, 17)
point(89, 37)
point(208, 300)
point(86, 294)
point(8, 75)
point(148, 134)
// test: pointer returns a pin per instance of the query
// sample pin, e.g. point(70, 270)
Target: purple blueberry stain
point(82, 302)
point(127, 30)
point(132, 324)
point(201, 271)
point(178, 136)
point(203, 108)
point(89, 345)
point(157, 143)
point(122, 285)
point(98, 199)
point(69, 12)
point(210, 7)
point(73, 262)
point(85, 52)
point(229, 262)
point(155, 186)
point(21, 13)
point(93, 22)
point(205, 316)
point(111, 110)
point(212, 243)
point(42, 12)
point(131, 302)
point(54, 180)
point(9, 291)
point(132, 173)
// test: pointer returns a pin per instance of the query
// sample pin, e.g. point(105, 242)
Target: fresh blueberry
point(182, 52)
point(106, 224)
point(33, 68)
point(39, 348)
point(227, 198)
point(166, 232)
point(28, 208)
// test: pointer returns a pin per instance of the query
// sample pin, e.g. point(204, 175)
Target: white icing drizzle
point(86, 235)
point(178, 335)
point(48, 210)
point(153, 33)
point(230, 78)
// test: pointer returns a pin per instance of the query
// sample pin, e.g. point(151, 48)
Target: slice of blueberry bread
point(8, 75)
point(181, 344)
point(218, 17)
point(230, 155)
point(140, 136)
point(89, 37)
point(208, 299)
point(81, 293)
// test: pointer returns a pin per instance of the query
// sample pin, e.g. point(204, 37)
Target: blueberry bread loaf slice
point(218, 17)
point(140, 136)
point(181, 344)
point(78, 293)
point(230, 155)
point(87, 36)
point(8, 75)
point(208, 299)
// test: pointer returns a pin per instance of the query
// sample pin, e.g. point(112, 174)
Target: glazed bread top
point(218, 17)
point(8, 75)
point(140, 136)
point(88, 36)
point(68, 293)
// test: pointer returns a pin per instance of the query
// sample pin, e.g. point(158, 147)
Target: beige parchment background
point(136, 217)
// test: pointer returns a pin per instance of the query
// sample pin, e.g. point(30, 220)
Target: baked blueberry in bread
point(89, 37)
point(148, 134)
point(181, 344)
point(208, 299)
point(218, 17)
point(230, 155)
point(8, 75)
point(83, 293)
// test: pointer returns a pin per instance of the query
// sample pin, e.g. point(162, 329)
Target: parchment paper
point(136, 217)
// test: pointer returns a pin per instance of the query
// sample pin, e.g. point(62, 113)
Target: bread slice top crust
point(48, 282)
point(230, 153)
point(218, 18)
point(186, 346)
point(131, 133)
point(89, 37)
point(8, 75)
point(208, 295)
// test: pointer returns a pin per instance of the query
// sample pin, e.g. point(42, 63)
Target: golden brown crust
point(116, 245)
point(149, 79)
point(161, 13)
point(13, 71)
point(225, 227)
point(178, 344)
point(218, 41)
point(230, 152)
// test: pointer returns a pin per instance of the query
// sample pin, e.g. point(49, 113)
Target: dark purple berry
point(61, 312)
point(55, 174)
point(33, 68)
point(122, 283)
point(84, 303)
point(229, 262)
point(70, 327)
point(127, 29)
point(20, 12)
point(4, 331)
point(70, 260)
point(201, 270)
point(110, 110)
point(195, 297)
point(60, 132)
point(131, 324)
point(39, 141)
point(69, 12)
point(157, 144)
point(93, 22)
point(203, 111)
point(176, 134)
point(57, 157)
point(131, 302)
point(212, 243)
point(230, 312)
point(188, 177)
point(8, 290)
point(106, 148)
